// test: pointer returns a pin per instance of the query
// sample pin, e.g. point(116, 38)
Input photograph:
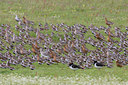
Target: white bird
point(13, 39)
point(44, 54)
point(17, 19)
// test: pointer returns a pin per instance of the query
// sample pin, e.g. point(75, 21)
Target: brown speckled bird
point(109, 23)
point(119, 64)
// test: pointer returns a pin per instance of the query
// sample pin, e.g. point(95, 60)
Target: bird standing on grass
point(109, 23)
point(98, 65)
point(32, 67)
point(119, 64)
point(17, 18)
point(11, 68)
point(74, 67)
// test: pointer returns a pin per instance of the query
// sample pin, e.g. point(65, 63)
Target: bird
point(36, 46)
point(32, 67)
point(40, 25)
point(65, 48)
point(74, 67)
point(17, 19)
point(27, 22)
point(11, 68)
point(84, 50)
point(118, 64)
point(109, 40)
point(38, 57)
point(44, 54)
point(98, 65)
point(34, 50)
point(98, 36)
point(108, 22)
point(54, 59)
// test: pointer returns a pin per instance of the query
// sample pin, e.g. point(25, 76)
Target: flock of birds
point(53, 44)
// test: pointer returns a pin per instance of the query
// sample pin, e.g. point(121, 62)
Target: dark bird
point(32, 67)
point(98, 65)
point(11, 68)
point(74, 67)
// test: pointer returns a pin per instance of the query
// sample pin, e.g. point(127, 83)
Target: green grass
point(61, 74)
point(66, 11)
point(61, 70)
point(69, 12)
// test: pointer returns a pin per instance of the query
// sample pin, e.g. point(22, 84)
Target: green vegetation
point(61, 70)
point(66, 11)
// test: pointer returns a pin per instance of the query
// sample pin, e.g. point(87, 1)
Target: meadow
point(69, 12)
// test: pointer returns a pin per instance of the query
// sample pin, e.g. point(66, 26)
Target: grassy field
point(69, 12)
point(62, 75)
point(66, 11)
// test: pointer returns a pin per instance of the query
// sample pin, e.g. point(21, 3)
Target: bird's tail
point(82, 67)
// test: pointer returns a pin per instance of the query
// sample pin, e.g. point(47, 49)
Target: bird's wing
point(75, 66)
point(100, 64)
